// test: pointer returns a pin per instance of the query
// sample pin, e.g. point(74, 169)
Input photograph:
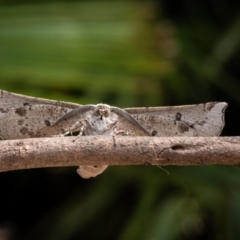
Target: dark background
point(124, 53)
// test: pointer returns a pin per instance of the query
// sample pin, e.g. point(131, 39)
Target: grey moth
point(30, 117)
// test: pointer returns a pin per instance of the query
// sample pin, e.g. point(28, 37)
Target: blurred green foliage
point(97, 47)
point(124, 53)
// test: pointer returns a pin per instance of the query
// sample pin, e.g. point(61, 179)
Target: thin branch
point(118, 150)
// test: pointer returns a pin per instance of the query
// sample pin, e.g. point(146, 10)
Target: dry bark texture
point(118, 150)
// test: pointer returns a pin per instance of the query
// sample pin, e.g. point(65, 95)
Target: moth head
point(102, 110)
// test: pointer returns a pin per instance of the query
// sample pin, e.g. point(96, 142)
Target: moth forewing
point(10, 100)
point(24, 116)
point(31, 121)
point(190, 120)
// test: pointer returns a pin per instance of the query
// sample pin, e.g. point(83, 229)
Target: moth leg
point(91, 171)
point(75, 127)
point(78, 126)
point(120, 132)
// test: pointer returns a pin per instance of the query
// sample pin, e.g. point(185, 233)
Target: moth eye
point(96, 112)
point(154, 133)
point(47, 123)
point(106, 114)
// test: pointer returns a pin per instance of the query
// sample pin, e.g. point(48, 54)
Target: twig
point(120, 150)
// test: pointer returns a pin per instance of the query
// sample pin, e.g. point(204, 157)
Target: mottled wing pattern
point(23, 116)
point(191, 120)
point(31, 121)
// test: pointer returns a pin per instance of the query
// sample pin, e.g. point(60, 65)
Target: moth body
point(100, 121)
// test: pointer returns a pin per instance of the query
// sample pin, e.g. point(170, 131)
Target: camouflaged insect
point(28, 117)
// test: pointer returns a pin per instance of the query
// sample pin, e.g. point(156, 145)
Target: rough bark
point(119, 150)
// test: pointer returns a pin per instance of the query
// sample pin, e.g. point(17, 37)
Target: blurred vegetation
point(124, 53)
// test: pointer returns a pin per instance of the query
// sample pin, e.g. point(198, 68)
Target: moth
point(30, 117)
